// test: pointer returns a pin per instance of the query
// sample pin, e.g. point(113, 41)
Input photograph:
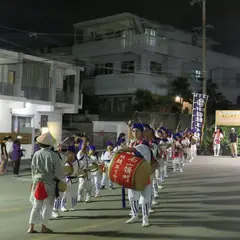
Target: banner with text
point(227, 118)
point(198, 114)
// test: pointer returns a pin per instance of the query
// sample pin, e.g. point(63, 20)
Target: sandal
point(47, 230)
point(31, 231)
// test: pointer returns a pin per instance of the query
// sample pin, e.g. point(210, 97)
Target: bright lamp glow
point(44, 130)
point(177, 99)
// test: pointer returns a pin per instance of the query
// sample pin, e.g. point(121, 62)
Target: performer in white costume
point(185, 144)
point(217, 138)
point(106, 159)
point(46, 167)
point(63, 151)
point(121, 143)
point(177, 153)
point(164, 154)
point(140, 149)
point(96, 177)
point(144, 197)
point(69, 199)
point(193, 140)
point(85, 182)
point(149, 135)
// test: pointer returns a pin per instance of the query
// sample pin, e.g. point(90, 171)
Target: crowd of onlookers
point(11, 150)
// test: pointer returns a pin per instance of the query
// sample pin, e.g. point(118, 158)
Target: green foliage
point(144, 99)
point(216, 100)
point(181, 87)
point(207, 143)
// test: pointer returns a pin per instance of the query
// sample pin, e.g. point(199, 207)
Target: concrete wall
point(169, 120)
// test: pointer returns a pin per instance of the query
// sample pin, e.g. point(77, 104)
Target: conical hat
point(46, 139)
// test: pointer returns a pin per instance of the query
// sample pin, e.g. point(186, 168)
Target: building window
point(155, 67)
point(150, 31)
point(108, 68)
point(104, 68)
point(127, 67)
point(11, 77)
point(238, 80)
point(197, 75)
point(21, 124)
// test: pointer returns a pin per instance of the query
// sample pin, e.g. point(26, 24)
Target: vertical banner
point(198, 114)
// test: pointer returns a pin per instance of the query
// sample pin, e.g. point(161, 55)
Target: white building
point(125, 52)
point(35, 92)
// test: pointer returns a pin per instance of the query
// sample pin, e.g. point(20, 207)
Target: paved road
point(200, 203)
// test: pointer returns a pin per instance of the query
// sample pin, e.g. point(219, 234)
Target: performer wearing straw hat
point(46, 169)
point(69, 199)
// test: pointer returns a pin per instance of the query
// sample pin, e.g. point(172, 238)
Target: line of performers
point(137, 162)
point(86, 173)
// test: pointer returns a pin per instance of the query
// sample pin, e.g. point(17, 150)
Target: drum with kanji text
point(130, 171)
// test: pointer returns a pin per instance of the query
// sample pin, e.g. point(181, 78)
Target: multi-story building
point(125, 52)
point(35, 91)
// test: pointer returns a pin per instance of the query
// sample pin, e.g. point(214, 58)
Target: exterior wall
point(177, 59)
point(38, 79)
point(10, 109)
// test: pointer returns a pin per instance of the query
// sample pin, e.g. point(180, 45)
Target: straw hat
point(46, 139)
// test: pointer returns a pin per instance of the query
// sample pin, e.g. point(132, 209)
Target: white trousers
point(57, 202)
point(193, 151)
point(41, 211)
point(84, 187)
point(177, 163)
point(154, 182)
point(96, 182)
point(69, 199)
point(216, 149)
point(105, 180)
point(140, 197)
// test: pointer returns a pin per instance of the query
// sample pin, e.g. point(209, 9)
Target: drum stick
point(139, 120)
point(64, 140)
point(123, 198)
point(153, 123)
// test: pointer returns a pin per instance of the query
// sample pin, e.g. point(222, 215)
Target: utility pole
point(204, 35)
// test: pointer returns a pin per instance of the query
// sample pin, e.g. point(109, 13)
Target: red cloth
point(40, 191)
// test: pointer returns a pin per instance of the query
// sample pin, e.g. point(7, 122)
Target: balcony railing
point(6, 89)
point(36, 93)
point(64, 97)
point(122, 44)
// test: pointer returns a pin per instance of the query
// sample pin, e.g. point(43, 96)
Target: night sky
point(58, 17)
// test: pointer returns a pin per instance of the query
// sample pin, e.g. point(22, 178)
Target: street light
point(178, 99)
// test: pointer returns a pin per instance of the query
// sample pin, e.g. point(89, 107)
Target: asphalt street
point(201, 203)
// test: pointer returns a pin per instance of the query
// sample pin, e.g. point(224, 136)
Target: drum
point(68, 170)
point(62, 186)
point(129, 171)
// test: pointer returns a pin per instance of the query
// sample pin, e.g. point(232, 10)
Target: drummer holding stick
point(139, 148)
